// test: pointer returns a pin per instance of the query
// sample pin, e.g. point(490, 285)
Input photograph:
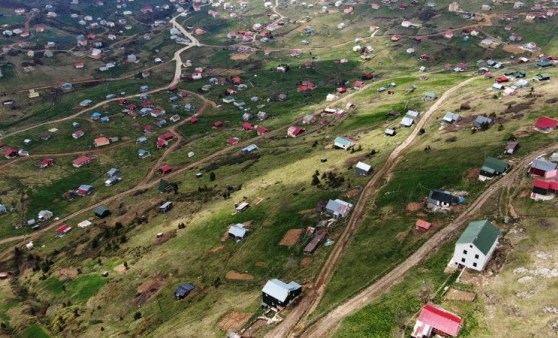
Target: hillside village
point(250, 169)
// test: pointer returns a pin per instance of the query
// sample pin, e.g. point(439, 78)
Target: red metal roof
point(166, 136)
point(217, 124)
point(247, 126)
point(63, 228)
point(545, 122)
point(440, 319)
point(81, 160)
point(423, 224)
point(541, 184)
point(232, 140)
point(165, 169)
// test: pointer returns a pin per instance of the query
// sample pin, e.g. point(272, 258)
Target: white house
point(338, 208)
point(476, 245)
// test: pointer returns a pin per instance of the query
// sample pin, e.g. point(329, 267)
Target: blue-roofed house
point(85, 189)
point(3, 209)
point(96, 115)
point(142, 153)
point(344, 143)
point(249, 149)
point(183, 290)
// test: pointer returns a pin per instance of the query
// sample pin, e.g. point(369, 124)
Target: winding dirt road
point(327, 324)
point(296, 320)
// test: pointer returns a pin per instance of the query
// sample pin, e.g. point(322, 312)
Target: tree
point(137, 315)
point(315, 180)
point(212, 176)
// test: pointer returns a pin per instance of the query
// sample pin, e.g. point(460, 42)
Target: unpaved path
point(327, 324)
point(296, 320)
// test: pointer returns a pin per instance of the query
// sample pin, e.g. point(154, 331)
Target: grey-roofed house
point(430, 96)
point(541, 167)
point(406, 122)
point(414, 114)
point(338, 208)
point(511, 147)
point(113, 172)
point(142, 153)
point(237, 231)
point(142, 140)
point(3, 209)
point(363, 169)
point(165, 206)
point(390, 132)
point(482, 122)
point(493, 167)
point(451, 117)
point(183, 290)
point(44, 215)
point(276, 293)
point(476, 245)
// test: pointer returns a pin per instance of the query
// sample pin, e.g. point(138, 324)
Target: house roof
point(495, 164)
point(363, 166)
point(81, 160)
point(423, 224)
point(165, 168)
point(101, 210)
point(278, 289)
point(85, 187)
point(482, 119)
point(184, 289)
point(442, 196)
point(339, 206)
point(63, 229)
point(482, 234)
point(250, 148)
point(344, 141)
point(543, 165)
point(451, 117)
point(545, 122)
point(512, 145)
point(407, 121)
point(541, 184)
point(440, 319)
point(238, 230)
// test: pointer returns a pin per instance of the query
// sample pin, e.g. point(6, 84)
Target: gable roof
point(238, 230)
point(439, 319)
point(482, 234)
point(482, 119)
point(442, 196)
point(543, 165)
point(278, 289)
point(363, 166)
point(494, 164)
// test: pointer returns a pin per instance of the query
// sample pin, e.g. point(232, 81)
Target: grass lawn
point(34, 331)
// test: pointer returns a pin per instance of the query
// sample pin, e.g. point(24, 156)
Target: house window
point(462, 260)
point(470, 245)
point(475, 265)
point(476, 256)
point(464, 252)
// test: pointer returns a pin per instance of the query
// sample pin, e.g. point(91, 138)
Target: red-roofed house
point(101, 141)
point(79, 65)
point(261, 131)
point(81, 161)
point(435, 319)
point(166, 136)
point(47, 162)
point(218, 124)
point(148, 128)
point(232, 140)
point(544, 190)
point(63, 230)
point(10, 153)
point(161, 144)
point(247, 126)
point(77, 134)
point(235, 80)
point(294, 131)
point(422, 225)
point(358, 84)
point(546, 124)
point(165, 169)
point(341, 90)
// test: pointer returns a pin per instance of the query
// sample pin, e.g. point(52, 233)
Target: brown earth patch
point(307, 211)
point(513, 49)
point(473, 173)
point(236, 56)
point(305, 261)
point(66, 274)
point(414, 206)
point(523, 132)
point(291, 237)
point(459, 295)
point(166, 236)
point(352, 193)
point(261, 264)
point(216, 249)
point(222, 72)
point(258, 200)
point(148, 289)
point(238, 276)
point(234, 321)
point(120, 268)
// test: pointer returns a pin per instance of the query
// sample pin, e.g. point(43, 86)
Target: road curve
point(296, 320)
point(326, 325)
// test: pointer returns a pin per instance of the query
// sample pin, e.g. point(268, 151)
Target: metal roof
point(278, 289)
point(482, 234)
point(238, 230)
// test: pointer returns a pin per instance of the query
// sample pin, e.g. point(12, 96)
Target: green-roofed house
point(492, 167)
point(476, 245)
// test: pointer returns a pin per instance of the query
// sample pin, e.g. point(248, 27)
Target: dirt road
point(327, 325)
point(296, 320)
